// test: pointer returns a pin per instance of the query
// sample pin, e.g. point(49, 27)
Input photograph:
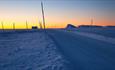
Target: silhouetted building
point(34, 27)
point(70, 26)
point(90, 26)
point(110, 26)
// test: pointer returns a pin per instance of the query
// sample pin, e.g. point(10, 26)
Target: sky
point(58, 13)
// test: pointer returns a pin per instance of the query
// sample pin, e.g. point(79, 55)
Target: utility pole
point(26, 25)
point(40, 25)
point(14, 26)
point(43, 15)
point(2, 25)
point(91, 22)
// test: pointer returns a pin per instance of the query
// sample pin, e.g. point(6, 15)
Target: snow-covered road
point(96, 36)
point(84, 52)
point(30, 51)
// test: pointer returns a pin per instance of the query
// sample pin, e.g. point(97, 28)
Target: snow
point(29, 51)
point(107, 32)
point(57, 50)
point(96, 36)
point(102, 34)
point(83, 52)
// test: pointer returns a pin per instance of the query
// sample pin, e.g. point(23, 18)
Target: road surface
point(83, 52)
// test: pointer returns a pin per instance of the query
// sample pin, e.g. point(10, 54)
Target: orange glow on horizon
point(57, 13)
point(22, 25)
point(53, 23)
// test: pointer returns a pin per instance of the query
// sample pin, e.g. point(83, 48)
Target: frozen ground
point(96, 36)
point(107, 32)
point(85, 50)
point(82, 49)
point(30, 51)
point(102, 34)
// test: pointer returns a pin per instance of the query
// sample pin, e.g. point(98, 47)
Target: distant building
point(110, 26)
point(90, 26)
point(34, 27)
point(70, 26)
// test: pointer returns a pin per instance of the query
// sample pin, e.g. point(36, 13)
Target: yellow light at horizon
point(21, 24)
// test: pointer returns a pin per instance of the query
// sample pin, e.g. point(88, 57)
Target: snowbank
point(96, 36)
point(29, 51)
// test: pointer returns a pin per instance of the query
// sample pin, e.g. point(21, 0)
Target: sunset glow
point(57, 13)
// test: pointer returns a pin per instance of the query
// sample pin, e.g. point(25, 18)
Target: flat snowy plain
point(29, 51)
point(58, 49)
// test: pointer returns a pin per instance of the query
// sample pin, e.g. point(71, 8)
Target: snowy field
point(58, 49)
point(102, 34)
point(30, 51)
point(87, 50)
point(96, 36)
point(108, 32)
